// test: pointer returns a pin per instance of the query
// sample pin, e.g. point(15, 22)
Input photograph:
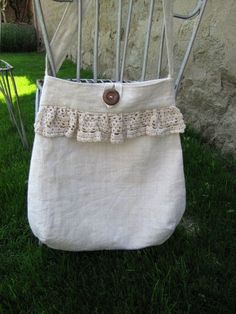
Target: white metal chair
point(73, 17)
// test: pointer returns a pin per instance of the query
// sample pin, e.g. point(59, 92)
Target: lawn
point(193, 272)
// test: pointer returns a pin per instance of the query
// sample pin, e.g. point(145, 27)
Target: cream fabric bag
point(106, 177)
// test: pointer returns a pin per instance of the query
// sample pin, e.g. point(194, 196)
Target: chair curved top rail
point(193, 13)
point(181, 16)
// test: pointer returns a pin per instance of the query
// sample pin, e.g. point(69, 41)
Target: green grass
point(193, 272)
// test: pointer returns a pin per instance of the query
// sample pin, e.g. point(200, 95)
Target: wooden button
point(111, 97)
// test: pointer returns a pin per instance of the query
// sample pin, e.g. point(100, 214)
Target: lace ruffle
point(55, 121)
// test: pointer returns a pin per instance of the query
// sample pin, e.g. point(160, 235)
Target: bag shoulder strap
point(66, 32)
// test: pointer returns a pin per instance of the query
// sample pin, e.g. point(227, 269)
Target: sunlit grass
point(26, 87)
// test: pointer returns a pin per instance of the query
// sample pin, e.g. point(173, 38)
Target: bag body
point(106, 177)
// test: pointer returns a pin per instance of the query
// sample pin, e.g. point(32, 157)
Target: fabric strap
point(66, 31)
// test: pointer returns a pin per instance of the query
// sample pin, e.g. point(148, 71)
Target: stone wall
point(207, 95)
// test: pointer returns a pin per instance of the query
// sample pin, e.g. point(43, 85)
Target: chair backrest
point(159, 17)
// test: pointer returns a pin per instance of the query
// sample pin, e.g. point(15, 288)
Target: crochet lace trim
point(53, 121)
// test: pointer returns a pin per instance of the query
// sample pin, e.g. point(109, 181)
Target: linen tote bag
point(106, 169)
